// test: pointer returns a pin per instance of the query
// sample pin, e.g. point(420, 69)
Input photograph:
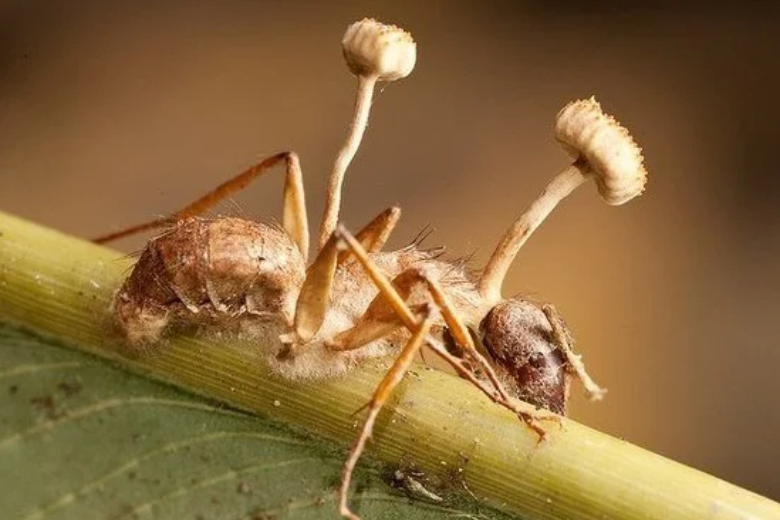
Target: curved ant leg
point(406, 282)
point(391, 379)
point(293, 216)
point(381, 319)
point(575, 364)
point(375, 234)
point(314, 298)
point(390, 311)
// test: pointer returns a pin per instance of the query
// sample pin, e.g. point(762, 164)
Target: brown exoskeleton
point(354, 301)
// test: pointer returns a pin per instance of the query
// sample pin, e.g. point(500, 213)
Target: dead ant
point(356, 302)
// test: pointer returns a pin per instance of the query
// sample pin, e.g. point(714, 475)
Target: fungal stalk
point(374, 52)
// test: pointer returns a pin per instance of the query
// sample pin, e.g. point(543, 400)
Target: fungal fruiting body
point(606, 147)
point(372, 48)
point(373, 52)
point(355, 301)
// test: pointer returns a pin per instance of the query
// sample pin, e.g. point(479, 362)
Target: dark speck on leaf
point(259, 514)
point(13, 389)
point(46, 404)
point(124, 510)
point(69, 388)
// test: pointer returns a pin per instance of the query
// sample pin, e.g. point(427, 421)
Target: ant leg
point(390, 301)
point(406, 282)
point(575, 364)
point(375, 234)
point(389, 382)
point(294, 213)
point(527, 413)
point(314, 298)
point(460, 333)
point(380, 318)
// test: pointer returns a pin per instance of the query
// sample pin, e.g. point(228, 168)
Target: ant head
point(519, 341)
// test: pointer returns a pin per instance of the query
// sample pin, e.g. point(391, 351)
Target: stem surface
point(60, 286)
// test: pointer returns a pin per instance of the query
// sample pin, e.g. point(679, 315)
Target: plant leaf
point(81, 439)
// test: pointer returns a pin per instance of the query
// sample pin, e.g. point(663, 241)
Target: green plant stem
point(61, 286)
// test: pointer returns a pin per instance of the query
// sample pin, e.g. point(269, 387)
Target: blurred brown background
point(114, 112)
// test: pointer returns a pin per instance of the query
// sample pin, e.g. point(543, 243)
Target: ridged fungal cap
point(586, 132)
point(373, 48)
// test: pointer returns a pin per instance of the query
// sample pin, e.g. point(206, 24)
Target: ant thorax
point(351, 298)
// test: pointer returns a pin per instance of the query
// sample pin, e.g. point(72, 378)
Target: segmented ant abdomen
point(518, 337)
point(252, 266)
point(215, 270)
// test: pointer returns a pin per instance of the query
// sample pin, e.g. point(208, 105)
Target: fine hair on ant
point(354, 301)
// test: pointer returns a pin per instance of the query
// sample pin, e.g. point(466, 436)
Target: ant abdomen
point(204, 270)
point(520, 340)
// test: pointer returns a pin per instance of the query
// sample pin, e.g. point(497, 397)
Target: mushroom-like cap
point(587, 133)
point(373, 48)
